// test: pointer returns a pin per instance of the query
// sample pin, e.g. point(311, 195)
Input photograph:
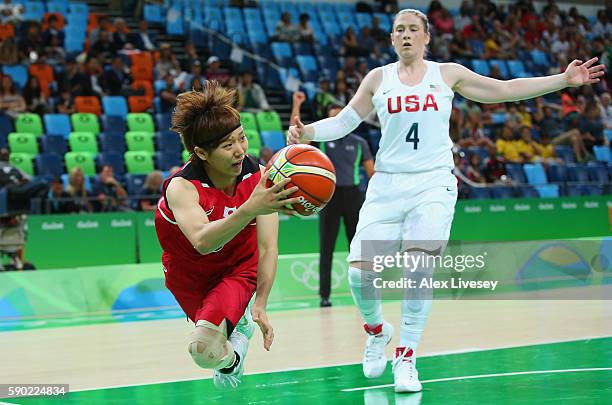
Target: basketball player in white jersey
point(413, 193)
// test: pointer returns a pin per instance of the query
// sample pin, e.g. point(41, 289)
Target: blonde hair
point(418, 13)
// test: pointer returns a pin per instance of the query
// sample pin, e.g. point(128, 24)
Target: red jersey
point(181, 260)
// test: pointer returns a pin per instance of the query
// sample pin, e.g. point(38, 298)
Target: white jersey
point(415, 122)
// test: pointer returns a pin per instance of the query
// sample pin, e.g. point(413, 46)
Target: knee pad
point(209, 348)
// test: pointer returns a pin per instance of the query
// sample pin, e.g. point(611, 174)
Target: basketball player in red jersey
point(217, 224)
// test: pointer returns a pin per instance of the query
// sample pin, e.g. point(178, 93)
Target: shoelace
point(375, 348)
point(402, 358)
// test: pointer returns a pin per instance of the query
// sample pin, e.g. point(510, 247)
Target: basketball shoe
point(240, 337)
point(405, 374)
point(374, 359)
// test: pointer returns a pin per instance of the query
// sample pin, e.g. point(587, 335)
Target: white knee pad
point(210, 349)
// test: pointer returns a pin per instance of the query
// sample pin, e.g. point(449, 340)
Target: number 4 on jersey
point(413, 135)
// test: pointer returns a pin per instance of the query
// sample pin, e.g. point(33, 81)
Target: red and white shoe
point(405, 374)
point(374, 359)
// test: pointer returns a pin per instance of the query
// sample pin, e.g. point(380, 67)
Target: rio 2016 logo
point(307, 273)
point(308, 206)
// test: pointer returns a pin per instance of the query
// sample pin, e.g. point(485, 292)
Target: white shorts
point(404, 207)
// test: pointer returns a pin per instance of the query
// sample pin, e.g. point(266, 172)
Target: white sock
point(365, 295)
point(414, 316)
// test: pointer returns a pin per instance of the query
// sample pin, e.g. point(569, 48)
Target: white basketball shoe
point(240, 341)
point(405, 374)
point(374, 359)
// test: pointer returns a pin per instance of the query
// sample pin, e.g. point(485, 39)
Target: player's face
point(227, 158)
point(409, 37)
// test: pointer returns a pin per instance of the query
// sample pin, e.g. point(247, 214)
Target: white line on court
point(441, 353)
point(470, 377)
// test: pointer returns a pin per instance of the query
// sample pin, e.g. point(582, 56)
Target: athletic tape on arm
point(344, 123)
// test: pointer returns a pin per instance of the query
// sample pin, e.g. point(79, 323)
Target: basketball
point(310, 170)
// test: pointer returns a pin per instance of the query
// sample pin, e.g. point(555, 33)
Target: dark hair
point(206, 117)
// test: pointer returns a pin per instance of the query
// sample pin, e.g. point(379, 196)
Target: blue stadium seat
point(49, 164)
point(112, 142)
point(274, 140)
point(548, 190)
point(114, 159)
point(57, 124)
point(503, 68)
point(163, 121)
point(73, 45)
point(153, 13)
point(347, 20)
point(384, 21)
point(480, 193)
point(282, 53)
point(364, 20)
point(6, 127)
point(167, 160)
point(577, 172)
point(573, 190)
point(527, 192)
point(598, 172)
point(602, 153)
point(257, 37)
point(54, 144)
point(557, 173)
point(477, 46)
point(134, 182)
point(19, 73)
point(175, 22)
point(482, 152)
point(517, 69)
point(113, 124)
point(566, 153)
point(515, 171)
point(535, 173)
point(502, 192)
point(57, 7)
point(168, 141)
point(499, 118)
point(252, 14)
point(213, 12)
point(592, 189)
point(303, 48)
point(539, 58)
point(608, 134)
point(115, 106)
point(374, 136)
point(34, 11)
point(481, 67)
point(81, 9)
point(308, 67)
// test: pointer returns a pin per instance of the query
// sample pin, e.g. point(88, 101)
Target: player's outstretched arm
point(346, 121)
point(487, 90)
point(267, 241)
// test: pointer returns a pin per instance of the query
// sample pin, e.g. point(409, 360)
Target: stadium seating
point(112, 142)
point(85, 122)
point(88, 104)
point(254, 142)
point(115, 106)
point(54, 144)
point(602, 153)
point(113, 159)
point(83, 142)
point(167, 160)
point(49, 164)
point(113, 124)
point(28, 122)
point(480, 193)
point(548, 190)
point(577, 173)
point(168, 141)
point(23, 142)
point(274, 140)
point(248, 121)
point(139, 141)
point(140, 122)
point(83, 160)
point(57, 124)
point(22, 161)
point(269, 121)
point(535, 173)
point(139, 162)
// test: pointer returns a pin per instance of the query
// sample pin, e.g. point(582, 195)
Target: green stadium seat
point(23, 142)
point(248, 121)
point(140, 122)
point(185, 155)
point(30, 123)
point(139, 141)
point(269, 121)
point(254, 142)
point(85, 122)
point(139, 162)
point(84, 160)
point(83, 142)
point(22, 161)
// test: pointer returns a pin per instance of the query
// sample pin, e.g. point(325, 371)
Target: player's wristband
point(336, 127)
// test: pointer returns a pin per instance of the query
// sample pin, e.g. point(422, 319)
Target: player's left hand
point(578, 73)
point(261, 318)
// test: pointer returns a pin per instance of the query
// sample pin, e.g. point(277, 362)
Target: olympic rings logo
point(307, 273)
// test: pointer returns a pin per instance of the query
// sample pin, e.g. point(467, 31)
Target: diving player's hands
point(261, 318)
point(265, 201)
point(296, 132)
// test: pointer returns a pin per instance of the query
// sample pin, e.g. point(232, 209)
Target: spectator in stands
point(351, 77)
point(366, 41)
point(530, 150)
point(88, 82)
point(378, 33)
point(475, 29)
point(463, 189)
point(21, 188)
point(150, 191)
point(56, 55)
point(189, 81)
point(67, 78)
point(215, 72)
point(167, 63)
point(605, 107)
point(285, 31)
point(36, 101)
point(342, 93)
point(444, 23)
point(104, 24)
point(463, 19)
point(117, 79)
point(603, 27)
point(10, 12)
point(65, 105)
point(494, 169)
point(472, 134)
point(168, 95)
point(459, 47)
point(53, 31)
point(191, 55)
point(9, 54)
point(120, 36)
point(144, 40)
point(108, 191)
point(251, 96)
point(31, 43)
point(78, 192)
point(58, 199)
point(322, 99)
point(362, 71)
point(560, 45)
point(506, 145)
point(265, 154)
point(474, 169)
point(104, 48)
point(305, 29)
point(350, 43)
point(591, 127)
point(11, 102)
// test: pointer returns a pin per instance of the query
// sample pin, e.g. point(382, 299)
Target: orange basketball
point(310, 170)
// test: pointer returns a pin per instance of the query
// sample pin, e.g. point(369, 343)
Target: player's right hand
point(296, 132)
point(265, 201)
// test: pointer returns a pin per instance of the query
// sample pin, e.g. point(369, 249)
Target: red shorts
point(215, 299)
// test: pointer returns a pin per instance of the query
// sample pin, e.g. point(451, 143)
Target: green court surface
point(577, 372)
